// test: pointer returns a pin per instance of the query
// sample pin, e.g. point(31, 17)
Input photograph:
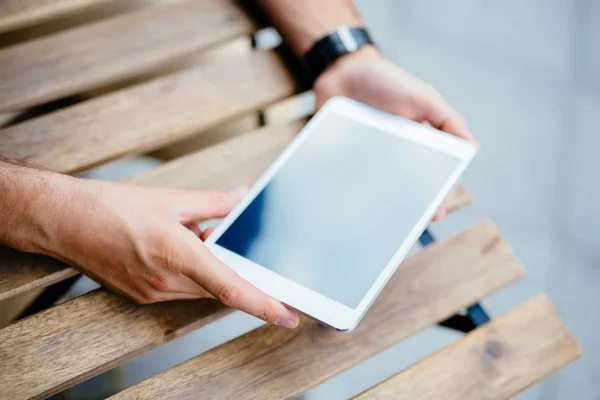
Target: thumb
point(443, 117)
point(231, 289)
point(202, 205)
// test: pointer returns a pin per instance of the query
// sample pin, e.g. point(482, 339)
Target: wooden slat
point(22, 272)
point(237, 161)
point(110, 50)
point(497, 361)
point(274, 363)
point(87, 336)
point(150, 115)
point(20, 13)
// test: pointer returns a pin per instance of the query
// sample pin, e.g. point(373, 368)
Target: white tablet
point(328, 223)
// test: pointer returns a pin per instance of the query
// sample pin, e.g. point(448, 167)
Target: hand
point(371, 79)
point(133, 240)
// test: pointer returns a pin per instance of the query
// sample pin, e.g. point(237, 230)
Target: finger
point(188, 287)
point(206, 233)
point(443, 117)
point(234, 291)
point(190, 296)
point(179, 287)
point(201, 205)
point(192, 226)
point(160, 297)
point(440, 214)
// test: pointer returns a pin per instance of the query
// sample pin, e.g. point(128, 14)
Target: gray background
point(525, 74)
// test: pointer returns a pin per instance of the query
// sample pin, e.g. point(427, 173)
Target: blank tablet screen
point(340, 207)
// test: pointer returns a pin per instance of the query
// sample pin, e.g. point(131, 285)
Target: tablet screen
point(341, 206)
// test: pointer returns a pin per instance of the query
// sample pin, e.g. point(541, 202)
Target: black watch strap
point(327, 50)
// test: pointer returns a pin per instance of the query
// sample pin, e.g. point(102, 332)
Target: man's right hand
point(134, 241)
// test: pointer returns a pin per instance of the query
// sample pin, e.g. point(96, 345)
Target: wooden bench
point(128, 96)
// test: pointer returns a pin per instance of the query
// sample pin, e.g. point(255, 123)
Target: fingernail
point(288, 318)
point(238, 192)
point(287, 323)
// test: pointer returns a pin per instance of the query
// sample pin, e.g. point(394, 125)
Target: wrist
point(31, 208)
point(336, 79)
point(301, 23)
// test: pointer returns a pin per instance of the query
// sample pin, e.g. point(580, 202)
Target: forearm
point(27, 200)
point(302, 22)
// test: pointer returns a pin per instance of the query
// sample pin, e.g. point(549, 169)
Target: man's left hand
point(368, 77)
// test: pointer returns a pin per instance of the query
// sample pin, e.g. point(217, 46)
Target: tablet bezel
point(308, 301)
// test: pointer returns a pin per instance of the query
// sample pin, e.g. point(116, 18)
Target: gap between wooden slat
point(497, 361)
point(275, 363)
point(110, 50)
point(150, 115)
point(16, 14)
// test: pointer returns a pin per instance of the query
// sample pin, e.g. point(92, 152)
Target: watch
point(328, 49)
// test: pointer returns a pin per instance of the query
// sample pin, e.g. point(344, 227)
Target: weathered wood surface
point(110, 50)
point(22, 272)
point(497, 361)
point(16, 14)
point(149, 115)
point(275, 363)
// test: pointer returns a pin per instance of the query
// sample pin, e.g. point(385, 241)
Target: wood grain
point(22, 272)
point(275, 363)
point(497, 361)
point(110, 50)
point(20, 13)
point(226, 165)
point(150, 115)
point(52, 350)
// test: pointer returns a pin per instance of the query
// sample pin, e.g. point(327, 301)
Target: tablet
point(328, 223)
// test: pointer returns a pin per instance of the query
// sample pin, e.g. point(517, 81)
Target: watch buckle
point(346, 38)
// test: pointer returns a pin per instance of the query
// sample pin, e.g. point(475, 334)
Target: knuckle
point(415, 102)
point(228, 295)
point(424, 101)
point(218, 202)
point(268, 313)
point(217, 198)
point(165, 255)
point(160, 283)
point(431, 92)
